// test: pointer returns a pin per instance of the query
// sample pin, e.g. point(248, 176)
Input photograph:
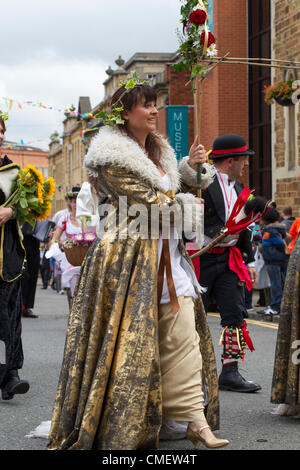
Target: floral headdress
point(115, 116)
point(4, 116)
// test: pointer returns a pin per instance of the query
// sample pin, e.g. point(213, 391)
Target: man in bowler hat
point(230, 156)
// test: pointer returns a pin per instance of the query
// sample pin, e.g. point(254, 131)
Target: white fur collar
point(111, 146)
point(7, 175)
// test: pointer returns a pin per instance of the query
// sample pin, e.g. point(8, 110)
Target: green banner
point(178, 130)
point(210, 12)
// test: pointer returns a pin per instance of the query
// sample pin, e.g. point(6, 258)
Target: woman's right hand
point(6, 214)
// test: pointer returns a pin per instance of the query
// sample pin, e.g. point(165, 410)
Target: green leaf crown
point(114, 117)
point(4, 116)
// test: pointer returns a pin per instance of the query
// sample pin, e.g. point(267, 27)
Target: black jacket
point(214, 217)
point(12, 252)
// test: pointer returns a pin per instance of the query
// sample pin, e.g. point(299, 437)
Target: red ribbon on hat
point(223, 152)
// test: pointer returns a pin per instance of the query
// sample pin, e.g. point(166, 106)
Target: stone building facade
point(66, 153)
point(286, 119)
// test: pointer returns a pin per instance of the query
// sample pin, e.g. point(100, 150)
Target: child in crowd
point(274, 254)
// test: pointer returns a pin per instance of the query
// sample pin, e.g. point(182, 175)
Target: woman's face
point(2, 133)
point(142, 117)
point(73, 204)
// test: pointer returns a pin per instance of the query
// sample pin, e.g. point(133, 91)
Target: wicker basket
point(76, 254)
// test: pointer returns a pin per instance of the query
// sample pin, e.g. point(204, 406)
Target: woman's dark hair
point(2, 123)
point(128, 100)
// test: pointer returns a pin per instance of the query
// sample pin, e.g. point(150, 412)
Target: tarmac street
point(246, 419)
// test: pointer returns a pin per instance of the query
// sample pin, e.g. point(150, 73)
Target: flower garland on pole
point(198, 42)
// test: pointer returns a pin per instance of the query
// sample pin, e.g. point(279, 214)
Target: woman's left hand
point(197, 154)
point(200, 201)
point(5, 215)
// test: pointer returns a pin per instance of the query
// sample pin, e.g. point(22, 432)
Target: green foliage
point(115, 116)
point(3, 115)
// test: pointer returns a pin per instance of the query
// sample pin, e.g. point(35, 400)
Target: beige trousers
point(181, 363)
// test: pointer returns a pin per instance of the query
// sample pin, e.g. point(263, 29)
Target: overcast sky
point(55, 51)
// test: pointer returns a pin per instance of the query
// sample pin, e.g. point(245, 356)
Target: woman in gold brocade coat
point(132, 355)
point(286, 374)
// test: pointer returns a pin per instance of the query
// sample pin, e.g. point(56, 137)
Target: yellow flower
point(26, 176)
point(40, 192)
point(46, 214)
point(50, 187)
point(35, 172)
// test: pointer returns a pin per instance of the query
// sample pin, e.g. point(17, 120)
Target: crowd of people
point(138, 353)
point(273, 241)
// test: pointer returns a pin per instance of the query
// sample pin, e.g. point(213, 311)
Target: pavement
point(247, 420)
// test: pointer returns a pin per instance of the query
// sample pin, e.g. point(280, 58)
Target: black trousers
point(31, 272)
point(224, 286)
point(45, 275)
point(10, 326)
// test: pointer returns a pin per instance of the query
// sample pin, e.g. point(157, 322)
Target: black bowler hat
point(230, 145)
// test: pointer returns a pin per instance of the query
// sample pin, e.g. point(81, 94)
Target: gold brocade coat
point(109, 391)
point(286, 373)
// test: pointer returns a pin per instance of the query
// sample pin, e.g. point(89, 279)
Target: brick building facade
point(23, 155)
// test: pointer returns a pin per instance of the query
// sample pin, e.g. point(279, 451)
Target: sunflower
point(39, 191)
point(46, 214)
point(26, 176)
point(49, 187)
point(35, 172)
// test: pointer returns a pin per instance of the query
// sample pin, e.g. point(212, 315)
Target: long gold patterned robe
point(109, 391)
point(286, 373)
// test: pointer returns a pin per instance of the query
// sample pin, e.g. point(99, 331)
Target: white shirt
point(58, 215)
point(229, 197)
point(183, 275)
point(87, 204)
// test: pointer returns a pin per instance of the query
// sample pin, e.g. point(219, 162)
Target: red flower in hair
point(198, 16)
point(211, 39)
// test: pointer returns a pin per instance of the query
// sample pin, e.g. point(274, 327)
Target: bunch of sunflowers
point(31, 195)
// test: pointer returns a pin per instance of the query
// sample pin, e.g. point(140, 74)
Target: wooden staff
point(287, 62)
point(247, 62)
point(197, 93)
point(210, 245)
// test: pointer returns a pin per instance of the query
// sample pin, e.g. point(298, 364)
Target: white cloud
point(54, 84)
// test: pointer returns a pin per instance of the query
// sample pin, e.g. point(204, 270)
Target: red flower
point(198, 16)
point(211, 39)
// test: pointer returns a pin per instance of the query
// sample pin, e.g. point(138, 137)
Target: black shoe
point(29, 313)
point(12, 385)
point(230, 379)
